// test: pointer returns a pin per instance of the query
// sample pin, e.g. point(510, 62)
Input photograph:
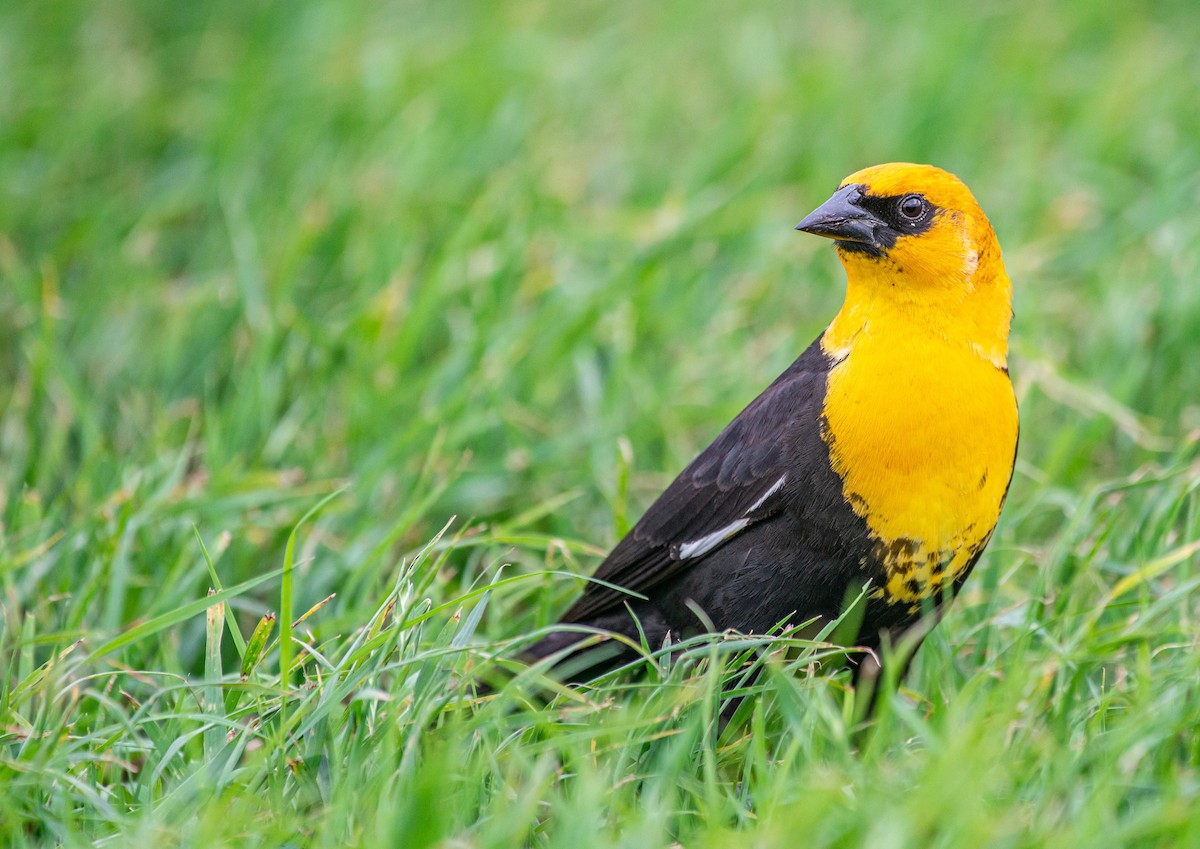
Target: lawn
point(405, 311)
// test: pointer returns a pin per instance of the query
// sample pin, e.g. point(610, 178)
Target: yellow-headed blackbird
point(882, 455)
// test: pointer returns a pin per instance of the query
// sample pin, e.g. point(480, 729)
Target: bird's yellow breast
point(922, 430)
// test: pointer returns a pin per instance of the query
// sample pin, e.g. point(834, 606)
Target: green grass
point(504, 267)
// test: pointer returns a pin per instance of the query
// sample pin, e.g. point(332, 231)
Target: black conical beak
point(842, 218)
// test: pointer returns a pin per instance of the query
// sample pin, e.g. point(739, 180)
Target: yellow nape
point(920, 416)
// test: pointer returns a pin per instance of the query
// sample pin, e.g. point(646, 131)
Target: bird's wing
point(741, 478)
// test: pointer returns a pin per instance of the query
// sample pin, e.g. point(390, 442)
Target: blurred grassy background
point(459, 255)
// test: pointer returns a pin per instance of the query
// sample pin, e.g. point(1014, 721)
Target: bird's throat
point(971, 310)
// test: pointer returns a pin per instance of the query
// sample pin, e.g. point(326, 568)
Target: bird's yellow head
point(913, 236)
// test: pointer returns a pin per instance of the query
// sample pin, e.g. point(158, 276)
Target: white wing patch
point(775, 487)
point(706, 543)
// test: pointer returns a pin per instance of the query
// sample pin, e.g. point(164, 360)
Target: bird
point(875, 466)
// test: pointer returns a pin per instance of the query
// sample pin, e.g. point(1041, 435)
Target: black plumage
point(800, 549)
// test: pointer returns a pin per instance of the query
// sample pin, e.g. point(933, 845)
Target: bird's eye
point(912, 207)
